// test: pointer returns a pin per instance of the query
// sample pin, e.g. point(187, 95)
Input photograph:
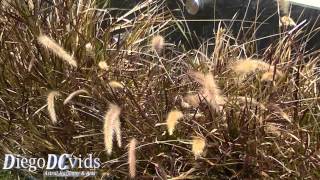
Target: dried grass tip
point(210, 90)
point(132, 157)
point(190, 100)
point(117, 131)
point(172, 120)
point(57, 49)
point(157, 43)
point(247, 66)
point(50, 102)
point(287, 21)
point(103, 65)
point(198, 145)
point(110, 126)
point(89, 47)
point(116, 85)
point(75, 93)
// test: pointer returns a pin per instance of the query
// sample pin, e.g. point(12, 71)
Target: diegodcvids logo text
point(53, 162)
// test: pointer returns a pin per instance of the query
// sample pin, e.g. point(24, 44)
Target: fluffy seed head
point(30, 5)
point(50, 101)
point(157, 43)
point(117, 130)
point(267, 76)
point(110, 117)
point(56, 49)
point(247, 66)
point(132, 157)
point(172, 120)
point(287, 21)
point(89, 47)
point(75, 93)
point(103, 65)
point(210, 90)
point(198, 145)
point(190, 100)
point(115, 85)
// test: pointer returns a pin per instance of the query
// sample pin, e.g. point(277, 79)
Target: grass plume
point(117, 131)
point(172, 120)
point(73, 94)
point(270, 75)
point(198, 145)
point(111, 116)
point(50, 102)
point(132, 157)
point(210, 90)
point(190, 100)
point(287, 21)
point(89, 48)
point(103, 65)
point(57, 49)
point(116, 85)
point(247, 66)
point(157, 43)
